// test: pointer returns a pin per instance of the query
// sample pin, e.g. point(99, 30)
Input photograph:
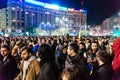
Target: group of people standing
point(59, 58)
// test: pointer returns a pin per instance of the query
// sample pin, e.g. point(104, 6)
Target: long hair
point(45, 53)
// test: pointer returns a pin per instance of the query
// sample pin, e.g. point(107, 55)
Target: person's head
point(82, 46)
point(26, 53)
point(94, 46)
point(35, 42)
point(66, 43)
point(63, 49)
point(12, 41)
point(87, 40)
point(19, 43)
point(102, 56)
point(72, 49)
point(43, 41)
point(59, 41)
point(48, 42)
point(4, 50)
point(45, 53)
point(71, 74)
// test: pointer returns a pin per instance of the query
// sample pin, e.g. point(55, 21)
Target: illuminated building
point(22, 14)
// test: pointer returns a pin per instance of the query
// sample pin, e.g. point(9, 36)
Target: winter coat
point(32, 71)
point(78, 62)
point(49, 71)
point(104, 72)
point(8, 68)
point(60, 60)
point(116, 60)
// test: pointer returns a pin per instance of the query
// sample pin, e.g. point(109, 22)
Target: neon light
point(47, 5)
point(63, 8)
point(55, 6)
point(84, 11)
point(70, 9)
point(51, 6)
point(35, 2)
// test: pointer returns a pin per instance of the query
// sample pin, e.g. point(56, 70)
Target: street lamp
point(119, 14)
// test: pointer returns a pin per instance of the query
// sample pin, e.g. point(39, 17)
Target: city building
point(109, 25)
point(21, 15)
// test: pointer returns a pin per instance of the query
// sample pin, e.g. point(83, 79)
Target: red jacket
point(116, 49)
point(116, 61)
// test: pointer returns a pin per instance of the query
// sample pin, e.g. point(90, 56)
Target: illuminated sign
point(47, 5)
point(52, 6)
point(55, 6)
point(63, 8)
point(70, 9)
point(35, 2)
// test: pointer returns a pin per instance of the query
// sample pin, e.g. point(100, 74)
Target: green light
point(63, 8)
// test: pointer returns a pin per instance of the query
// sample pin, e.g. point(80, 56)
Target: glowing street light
point(119, 14)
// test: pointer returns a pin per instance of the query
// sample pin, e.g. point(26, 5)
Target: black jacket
point(78, 62)
point(104, 72)
point(60, 60)
point(8, 68)
point(49, 71)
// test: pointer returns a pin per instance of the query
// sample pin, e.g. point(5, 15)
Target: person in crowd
point(104, 71)
point(101, 44)
point(82, 50)
point(43, 41)
point(14, 53)
point(73, 73)
point(48, 66)
point(58, 47)
point(29, 67)
point(20, 45)
point(35, 46)
point(8, 66)
point(65, 43)
point(87, 43)
point(74, 59)
point(91, 57)
point(116, 60)
point(61, 57)
point(12, 44)
point(109, 49)
point(54, 45)
point(48, 42)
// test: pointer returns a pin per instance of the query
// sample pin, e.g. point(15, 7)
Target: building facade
point(21, 15)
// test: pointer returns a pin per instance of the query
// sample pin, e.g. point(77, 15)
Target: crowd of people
point(59, 58)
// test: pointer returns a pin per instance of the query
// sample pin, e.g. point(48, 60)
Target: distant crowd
point(59, 58)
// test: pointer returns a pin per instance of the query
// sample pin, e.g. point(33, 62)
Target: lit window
point(27, 13)
point(13, 20)
point(13, 8)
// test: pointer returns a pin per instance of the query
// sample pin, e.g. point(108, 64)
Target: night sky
point(98, 10)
